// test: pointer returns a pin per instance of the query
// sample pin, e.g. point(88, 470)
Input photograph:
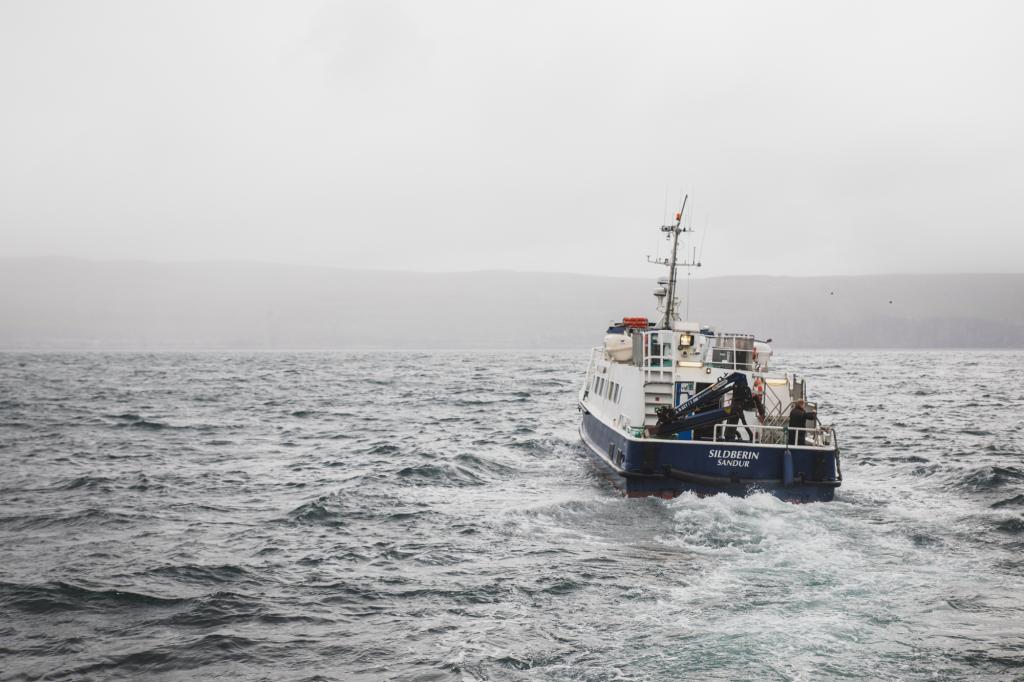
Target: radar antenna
point(670, 305)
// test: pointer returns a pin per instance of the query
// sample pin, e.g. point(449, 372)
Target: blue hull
point(642, 468)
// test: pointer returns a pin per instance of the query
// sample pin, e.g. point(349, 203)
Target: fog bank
point(73, 304)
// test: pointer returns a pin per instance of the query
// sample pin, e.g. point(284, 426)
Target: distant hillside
point(57, 303)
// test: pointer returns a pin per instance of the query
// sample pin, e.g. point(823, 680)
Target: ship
point(674, 406)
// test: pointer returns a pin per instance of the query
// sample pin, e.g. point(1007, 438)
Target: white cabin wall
point(629, 408)
point(631, 402)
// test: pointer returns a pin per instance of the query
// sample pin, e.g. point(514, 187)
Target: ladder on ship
point(659, 382)
point(777, 412)
point(656, 394)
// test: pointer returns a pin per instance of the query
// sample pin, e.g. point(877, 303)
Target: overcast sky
point(814, 137)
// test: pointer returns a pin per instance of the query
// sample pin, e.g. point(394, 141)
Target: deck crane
point(705, 409)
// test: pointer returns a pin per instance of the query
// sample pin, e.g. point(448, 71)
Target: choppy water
point(433, 516)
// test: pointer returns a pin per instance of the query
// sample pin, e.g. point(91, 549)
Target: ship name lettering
point(733, 454)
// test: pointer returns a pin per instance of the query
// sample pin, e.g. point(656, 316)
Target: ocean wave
point(1015, 501)
point(446, 473)
point(88, 482)
point(201, 574)
point(217, 610)
point(321, 511)
point(339, 509)
point(1012, 526)
point(60, 596)
point(989, 477)
point(70, 519)
point(183, 656)
point(481, 464)
point(144, 424)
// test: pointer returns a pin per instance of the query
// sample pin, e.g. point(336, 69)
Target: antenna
point(673, 231)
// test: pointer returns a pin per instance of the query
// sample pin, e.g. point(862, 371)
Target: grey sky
point(815, 137)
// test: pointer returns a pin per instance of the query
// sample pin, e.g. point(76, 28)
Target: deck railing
point(815, 436)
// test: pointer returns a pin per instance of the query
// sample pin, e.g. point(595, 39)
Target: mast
point(670, 313)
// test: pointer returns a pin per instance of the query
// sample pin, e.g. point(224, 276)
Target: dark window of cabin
point(721, 356)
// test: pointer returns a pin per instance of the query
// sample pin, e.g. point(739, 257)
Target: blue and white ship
point(674, 406)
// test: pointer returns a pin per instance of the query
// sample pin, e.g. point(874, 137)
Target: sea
point(402, 515)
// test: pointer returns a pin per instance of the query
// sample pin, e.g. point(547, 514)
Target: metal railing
point(772, 403)
point(591, 375)
point(815, 436)
point(775, 409)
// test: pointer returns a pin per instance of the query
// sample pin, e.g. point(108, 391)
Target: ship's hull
point(666, 468)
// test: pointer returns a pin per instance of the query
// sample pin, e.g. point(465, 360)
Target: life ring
point(758, 386)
